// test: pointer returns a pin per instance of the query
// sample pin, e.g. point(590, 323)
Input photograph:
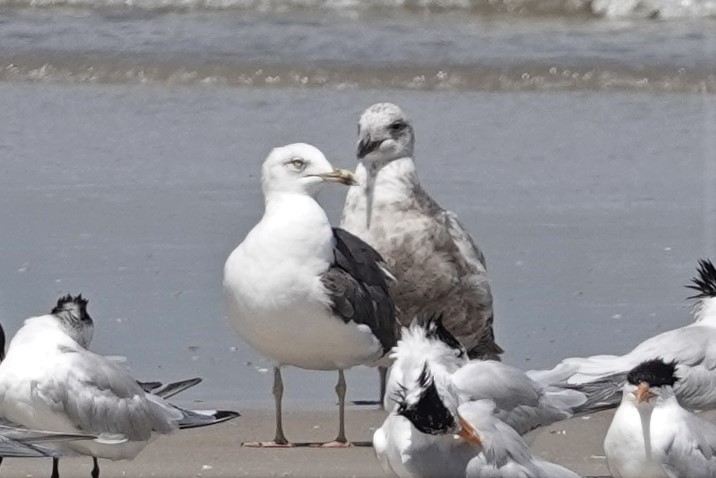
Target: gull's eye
point(397, 126)
point(297, 163)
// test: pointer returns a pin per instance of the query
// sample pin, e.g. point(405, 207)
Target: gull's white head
point(650, 383)
point(300, 168)
point(71, 313)
point(384, 134)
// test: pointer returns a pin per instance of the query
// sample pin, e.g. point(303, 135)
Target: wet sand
point(216, 452)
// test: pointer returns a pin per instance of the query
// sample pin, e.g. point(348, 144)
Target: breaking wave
point(663, 9)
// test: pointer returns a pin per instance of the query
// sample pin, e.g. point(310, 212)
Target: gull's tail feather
point(204, 418)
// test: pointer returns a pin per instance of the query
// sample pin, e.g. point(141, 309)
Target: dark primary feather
point(602, 393)
point(170, 389)
point(358, 288)
point(656, 373)
point(705, 283)
point(203, 418)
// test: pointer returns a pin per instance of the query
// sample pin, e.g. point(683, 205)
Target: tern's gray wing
point(692, 452)
point(357, 286)
point(520, 402)
point(601, 377)
point(100, 397)
point(18, 441)
point(505, 454)
point(14, 449)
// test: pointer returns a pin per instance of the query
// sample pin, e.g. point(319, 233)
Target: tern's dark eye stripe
point(397, 125)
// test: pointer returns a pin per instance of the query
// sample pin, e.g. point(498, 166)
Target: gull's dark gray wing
point(357, 284)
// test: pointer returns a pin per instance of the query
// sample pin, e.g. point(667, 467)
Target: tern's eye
point(397, 126)
point(297, 163)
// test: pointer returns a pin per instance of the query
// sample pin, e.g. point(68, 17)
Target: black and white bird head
point(71, 313)
point(300, 168)
point(651, 382)
point(705, 286)
point(432, 412)
point(384, 134)
point(435, 330)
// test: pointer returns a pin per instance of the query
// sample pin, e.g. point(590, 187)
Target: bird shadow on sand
point(315, 445)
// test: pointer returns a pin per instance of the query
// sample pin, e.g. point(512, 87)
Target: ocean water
point(576, 140)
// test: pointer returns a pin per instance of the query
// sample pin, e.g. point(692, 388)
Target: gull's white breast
point(277, 301)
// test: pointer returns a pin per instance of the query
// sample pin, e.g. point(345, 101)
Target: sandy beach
point(217, 451)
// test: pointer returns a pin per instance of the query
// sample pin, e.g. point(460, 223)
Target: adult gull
point(302, 293)
point(438, 267)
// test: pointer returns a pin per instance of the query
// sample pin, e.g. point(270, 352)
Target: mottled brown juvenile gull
point(301, 292)
point(438, 267)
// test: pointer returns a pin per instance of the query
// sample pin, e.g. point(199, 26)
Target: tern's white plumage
point(652, 435)
point(428, 435)
point(520, 402)
point(50, 381)
point(301, 292)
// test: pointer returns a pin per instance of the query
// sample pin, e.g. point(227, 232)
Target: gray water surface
point(592, 210)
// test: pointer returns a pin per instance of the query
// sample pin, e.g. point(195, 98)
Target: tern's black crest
point(72, 309)
point(435, 329)
point(428, 414)
point(705, 283)
point(656, 373)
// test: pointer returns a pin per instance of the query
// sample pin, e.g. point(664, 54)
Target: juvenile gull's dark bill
point(437, 266)
point(301, 292)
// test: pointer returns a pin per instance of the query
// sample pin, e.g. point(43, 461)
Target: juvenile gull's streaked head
point(71, 312)
point(300, 168)
point(384, 134)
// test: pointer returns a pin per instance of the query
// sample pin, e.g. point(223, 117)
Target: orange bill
point(468, 432)
point(643, 394)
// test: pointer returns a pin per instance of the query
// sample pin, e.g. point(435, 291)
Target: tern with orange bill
point(652, 435)
point(430, 435)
